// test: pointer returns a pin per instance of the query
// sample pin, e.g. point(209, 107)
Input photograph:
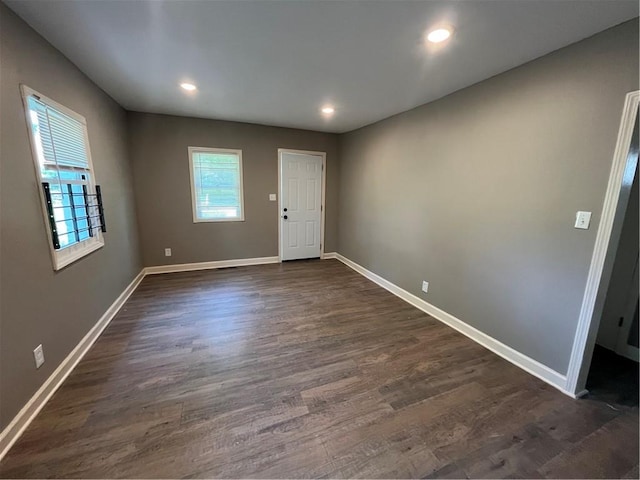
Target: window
point(65, 176)
point(216, 184)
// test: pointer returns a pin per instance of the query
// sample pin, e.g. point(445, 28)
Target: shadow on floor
point(613, 379)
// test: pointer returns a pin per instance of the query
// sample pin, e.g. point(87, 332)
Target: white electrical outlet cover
point(167, 252)
point(272, 197)
point(425, 287)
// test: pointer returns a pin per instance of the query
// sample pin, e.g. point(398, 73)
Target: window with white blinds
point(65, 178)
point(216, 184)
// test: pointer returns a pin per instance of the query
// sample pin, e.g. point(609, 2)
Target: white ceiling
point(276, 62)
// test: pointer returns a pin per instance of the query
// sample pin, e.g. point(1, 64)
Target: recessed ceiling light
point(328, 110)
point(439, 35)
point(188, 86)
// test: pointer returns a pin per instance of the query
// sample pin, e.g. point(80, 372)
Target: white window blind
point(61, 137)
point(216, 183)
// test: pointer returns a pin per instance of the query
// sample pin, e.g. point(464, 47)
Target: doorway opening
point(613, 374)
point(301, 199)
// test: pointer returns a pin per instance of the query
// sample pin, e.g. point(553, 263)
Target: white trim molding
point(190, 267)
point(601, 262)
point(528, 364)
point(26, 415)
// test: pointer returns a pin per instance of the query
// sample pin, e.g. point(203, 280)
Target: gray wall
point(477, 192)
point(158, 147)
point(39, 305)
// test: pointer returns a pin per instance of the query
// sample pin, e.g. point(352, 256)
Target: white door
point(300, 205)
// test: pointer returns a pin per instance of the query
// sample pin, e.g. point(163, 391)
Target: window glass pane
point(49, 173)
point(217, 184)
point(64, 213)
point(81, 213)
point(218, 212)
point(82, 222)
point(77, 175)
point(66, 233)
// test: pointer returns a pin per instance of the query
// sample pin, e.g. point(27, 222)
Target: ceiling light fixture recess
point(190, 87)
point(439, 34)
point(328, 110)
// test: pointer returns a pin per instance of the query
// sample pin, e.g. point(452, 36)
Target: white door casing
point(301, 198)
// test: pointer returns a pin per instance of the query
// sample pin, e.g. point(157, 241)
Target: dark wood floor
point(613, 379)
point(307, 369)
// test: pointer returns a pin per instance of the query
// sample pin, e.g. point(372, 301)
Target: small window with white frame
point(71, 200)
point(216, 184)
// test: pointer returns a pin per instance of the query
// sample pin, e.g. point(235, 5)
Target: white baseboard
point(528, 364)
point(188, 267)
point(329, 256)
point(24, 417)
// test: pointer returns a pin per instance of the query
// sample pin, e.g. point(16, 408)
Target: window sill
point(217, 220)
point(63, 259)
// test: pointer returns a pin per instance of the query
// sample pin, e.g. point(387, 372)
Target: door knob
point(285, 217)
point(285, 209)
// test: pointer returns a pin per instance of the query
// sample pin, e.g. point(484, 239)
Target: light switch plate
point(38, 356)
point(583, 219)
point(272, 197)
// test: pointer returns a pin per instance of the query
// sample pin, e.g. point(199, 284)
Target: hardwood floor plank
point(594, 456)
point(306, 370)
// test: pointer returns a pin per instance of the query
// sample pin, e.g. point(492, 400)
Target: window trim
point(63, 257)
point(237, 152)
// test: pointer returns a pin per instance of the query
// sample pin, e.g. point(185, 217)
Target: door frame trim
point(323, 208)
point(601, 260)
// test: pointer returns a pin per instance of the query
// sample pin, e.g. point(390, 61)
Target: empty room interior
point(302, 239)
